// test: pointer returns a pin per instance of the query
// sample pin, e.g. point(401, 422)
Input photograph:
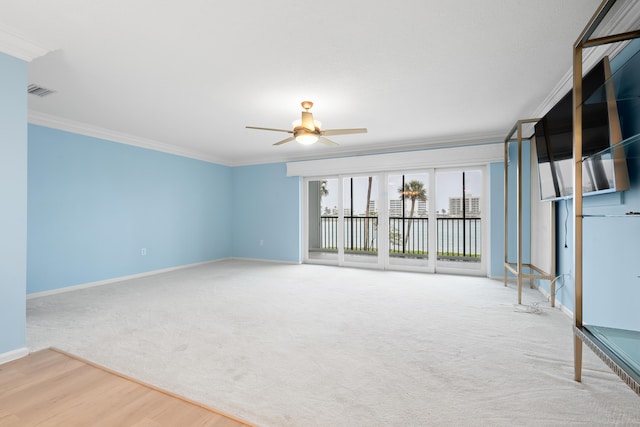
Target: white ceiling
point(188, 76)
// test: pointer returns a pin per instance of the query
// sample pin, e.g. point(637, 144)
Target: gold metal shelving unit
point(589, 335)
point(518, 268)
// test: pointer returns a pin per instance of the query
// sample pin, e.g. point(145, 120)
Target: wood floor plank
point(53, 391)
point(50, 388)
point(78, 406)
point(10, 421)
point(45, 365)
point(146, 422)
point(137, 411)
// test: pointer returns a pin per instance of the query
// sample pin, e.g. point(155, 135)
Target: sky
point(448, 184)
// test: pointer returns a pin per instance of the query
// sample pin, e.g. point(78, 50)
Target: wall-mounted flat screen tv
point(554, 143)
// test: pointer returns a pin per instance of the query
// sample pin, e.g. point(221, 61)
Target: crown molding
point(625, 17)
point(55, 122)
point(48, 120)
point(383, 148)
point(20, 47)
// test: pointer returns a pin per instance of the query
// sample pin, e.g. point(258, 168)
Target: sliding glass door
point(409, 226)
point(360, 219)
point(460, 223)
point(429, 220)
point(322, 220)
point(342, 220)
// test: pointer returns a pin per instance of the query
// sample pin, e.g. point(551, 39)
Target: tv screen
point(554, 143)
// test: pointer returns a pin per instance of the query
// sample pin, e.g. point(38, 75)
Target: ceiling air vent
point(39, 91)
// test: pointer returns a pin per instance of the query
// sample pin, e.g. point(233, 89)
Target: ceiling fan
point(307, 130)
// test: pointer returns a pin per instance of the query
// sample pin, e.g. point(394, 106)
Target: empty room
point(319, 214)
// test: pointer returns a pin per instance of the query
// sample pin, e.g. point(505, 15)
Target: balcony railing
point(457, 238)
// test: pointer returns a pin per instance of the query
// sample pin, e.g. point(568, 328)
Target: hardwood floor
point(51, 388)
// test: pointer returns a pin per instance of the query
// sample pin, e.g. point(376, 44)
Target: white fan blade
point(276, 130)
point(326, 141)
point(342, 131)
point(307, 121)
point(284, 140)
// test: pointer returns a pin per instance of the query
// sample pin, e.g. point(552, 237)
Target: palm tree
point(415, 191)
point(324, 191)
point(366, 216)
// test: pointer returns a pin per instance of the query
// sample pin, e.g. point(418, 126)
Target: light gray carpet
point(308, 345)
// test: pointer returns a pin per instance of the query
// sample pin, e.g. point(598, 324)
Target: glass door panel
point(408, 219)
point(322, 221)
point(360, 224)
point(459, 220)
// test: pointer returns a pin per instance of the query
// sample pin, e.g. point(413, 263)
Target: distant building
point(422, 208)
point(395, 208)
point(372, 207)
point(472, 206)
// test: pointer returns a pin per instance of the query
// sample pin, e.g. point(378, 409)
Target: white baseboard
point(116, 279)
point(559, 305)
point(565, 310)
point(13, 355)
point(544, 292)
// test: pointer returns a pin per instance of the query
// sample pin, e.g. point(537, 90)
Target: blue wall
point(496, 183)
point(496, 189)
point(565, 290)
point(94, 204)
point(13, 197)
point(611, 288)
point(266, 208)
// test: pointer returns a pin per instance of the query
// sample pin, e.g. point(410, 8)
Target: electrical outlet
point(143, 251)
point(261, 242)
